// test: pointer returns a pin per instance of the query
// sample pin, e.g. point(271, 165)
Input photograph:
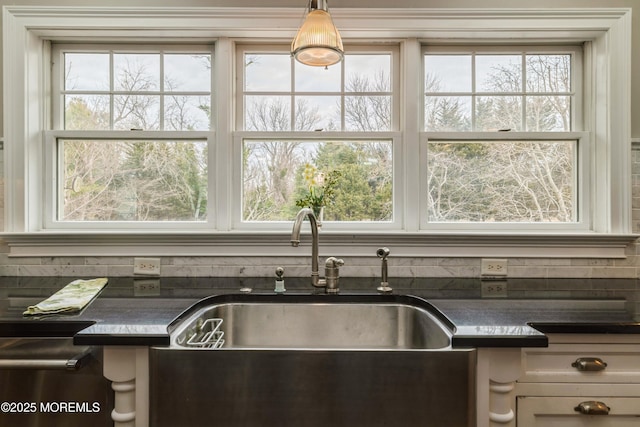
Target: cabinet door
point(561, 412)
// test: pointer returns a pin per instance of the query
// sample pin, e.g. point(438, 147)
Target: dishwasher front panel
point(50, 382)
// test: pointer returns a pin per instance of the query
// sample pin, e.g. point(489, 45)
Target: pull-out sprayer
point(383, 253)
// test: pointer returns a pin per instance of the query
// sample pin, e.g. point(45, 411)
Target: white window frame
point(393, 135)
point(53, 163)
point(339, 226)
point(391, 48)
point(53, 167)
point(582, 188)
point(606, 32)
point(577, 63)
point(581, 185)
point(57, 79)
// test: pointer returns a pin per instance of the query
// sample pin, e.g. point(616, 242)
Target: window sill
point(533, 245)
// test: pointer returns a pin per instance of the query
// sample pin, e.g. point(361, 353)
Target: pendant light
point(318, 41)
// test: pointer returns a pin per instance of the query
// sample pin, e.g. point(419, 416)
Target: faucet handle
point(333, 262)
point(332, 274)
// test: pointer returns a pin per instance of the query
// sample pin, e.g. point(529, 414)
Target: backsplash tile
point(299, 267)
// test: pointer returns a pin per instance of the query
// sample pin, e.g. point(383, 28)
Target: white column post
point(498, 370)
point(123, 366)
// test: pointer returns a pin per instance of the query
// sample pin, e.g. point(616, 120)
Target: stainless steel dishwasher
point(48, 381)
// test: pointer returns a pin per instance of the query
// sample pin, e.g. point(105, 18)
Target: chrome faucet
point(330, 282)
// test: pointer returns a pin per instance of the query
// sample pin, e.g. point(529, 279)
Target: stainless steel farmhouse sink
point(320, 323)
point(312, 360)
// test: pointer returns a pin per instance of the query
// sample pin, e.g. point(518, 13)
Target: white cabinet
point(580, 381)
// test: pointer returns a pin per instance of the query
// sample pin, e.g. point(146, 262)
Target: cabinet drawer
point(610, 363)
point(561, 412)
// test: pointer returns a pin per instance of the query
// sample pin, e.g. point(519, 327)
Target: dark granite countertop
point(138, 312)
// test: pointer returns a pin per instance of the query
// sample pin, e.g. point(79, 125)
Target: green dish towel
point(69, 299)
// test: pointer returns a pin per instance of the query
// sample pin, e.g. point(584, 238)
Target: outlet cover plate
point(146, 266)
point(493, 267)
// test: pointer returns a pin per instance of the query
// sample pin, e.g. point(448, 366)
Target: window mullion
point(474, 94)
point(292, 95)
point(223, 206)
point(343, 124)
point(162, 94)
point(525, 95)
point(410, 168)
point(111, 90)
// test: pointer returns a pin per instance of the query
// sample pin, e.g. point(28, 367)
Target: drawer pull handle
point(589, 364)
point(592, 407)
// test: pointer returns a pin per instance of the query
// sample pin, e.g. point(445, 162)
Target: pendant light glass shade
point(318, 41)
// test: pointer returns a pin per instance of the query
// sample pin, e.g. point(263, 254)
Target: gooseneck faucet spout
point(332, 285)
point(295, 241)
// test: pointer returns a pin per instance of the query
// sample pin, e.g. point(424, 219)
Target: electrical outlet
point(146, 287)
point(146, 266)
point(493, 267)
point(493, 289)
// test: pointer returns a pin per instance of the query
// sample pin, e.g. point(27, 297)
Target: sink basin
point(312, 360)
point(313, 322)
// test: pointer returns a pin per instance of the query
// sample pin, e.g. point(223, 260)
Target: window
point(501, 89)
point(530, 97)
point(501, 181)
point(342, 118)
point(409, 160)
point(134, 88)
point(106, 98)
point(280, 94)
